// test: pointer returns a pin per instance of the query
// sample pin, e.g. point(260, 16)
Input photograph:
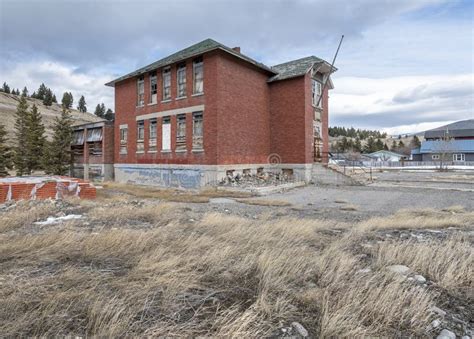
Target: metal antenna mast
point(330, 71)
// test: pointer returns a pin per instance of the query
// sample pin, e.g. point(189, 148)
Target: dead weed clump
point(24, 214)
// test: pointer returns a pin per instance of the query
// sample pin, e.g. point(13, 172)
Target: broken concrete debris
point(259, 179)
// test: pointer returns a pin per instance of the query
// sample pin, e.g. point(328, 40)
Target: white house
point(384, 155)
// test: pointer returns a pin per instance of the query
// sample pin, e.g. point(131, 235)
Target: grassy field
point(134, 267)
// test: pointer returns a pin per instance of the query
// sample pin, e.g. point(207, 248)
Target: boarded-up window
point(166, 134)
point(181, 74)
point(167, 83)
point(181, 132)
point(197, 131)
point(141, 91)
point(153, 88)
point(152, 139)
point(198, 76)
point(140, 136)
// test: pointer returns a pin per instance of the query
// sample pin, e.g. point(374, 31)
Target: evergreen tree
point(370, 146)
point(58, 155)
point(5, 88)
point(5, 153)
point(393, 147)
point(385, 147)
point(379, 144)
point(415, 142)
point(109, 115)
point(81, 107)
point(67, 100)
point(24, 92)
point(35, 140)
point(357, 145)
point(54, 99)
point(48, 98)
point(21, 134)
point(34, 95)
point(41, 93)
point(401, 145)
point(100, 110)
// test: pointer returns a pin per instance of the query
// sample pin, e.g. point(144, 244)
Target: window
point(181, 80)
point(435, 157)
point(459, 157)
point(123, 139)
point(197, 131)
point(152, 138)
point(141, 91)
point(181, 132)
point(316, 90)
point(167, 83)
point(198, 75)
point(153, 88)
point(166, 134)
point(140, 136)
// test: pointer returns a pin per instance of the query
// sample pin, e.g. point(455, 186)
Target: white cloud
point(61, 78)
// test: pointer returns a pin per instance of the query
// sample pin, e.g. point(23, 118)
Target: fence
point(418, 164)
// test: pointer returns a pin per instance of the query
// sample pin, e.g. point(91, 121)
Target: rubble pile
point(256, 180)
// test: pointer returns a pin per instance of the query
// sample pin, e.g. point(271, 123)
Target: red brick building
point(187, 119)
point(93, 151)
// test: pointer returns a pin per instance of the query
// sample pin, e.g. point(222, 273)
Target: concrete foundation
point(196, 176)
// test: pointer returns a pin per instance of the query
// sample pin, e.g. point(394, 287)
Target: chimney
point(237, 49)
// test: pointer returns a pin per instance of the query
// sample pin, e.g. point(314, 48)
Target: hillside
point(8, 103)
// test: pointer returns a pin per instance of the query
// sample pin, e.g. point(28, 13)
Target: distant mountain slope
point(8, 103)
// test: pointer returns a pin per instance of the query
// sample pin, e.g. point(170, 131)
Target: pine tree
point(109, 115)
point(48, 98)
point(58, 155)
point(370, 146)
point(385, 147)
point(34, 95)
point(379, 144)
point(67, 100)
point(401, 144)
point(21, 133)
point(100, 110)
point(5, 88)
point(415, 142)
point(357, 145)
point(35, 140)
point(41, 92)
point(81, 107)
point(5, 153)
point(393, 147)
point(24, 92)
point(54, 99)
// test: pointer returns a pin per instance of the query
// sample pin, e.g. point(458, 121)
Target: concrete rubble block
point(446, 334)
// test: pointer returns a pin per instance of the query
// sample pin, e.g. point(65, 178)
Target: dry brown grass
point(349, 207)
point(24, 214)
point(265, 202)
point(220, 276)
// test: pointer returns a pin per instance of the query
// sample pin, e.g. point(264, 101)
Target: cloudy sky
point(404, 66)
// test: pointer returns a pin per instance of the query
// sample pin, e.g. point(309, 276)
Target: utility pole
point(330, 71)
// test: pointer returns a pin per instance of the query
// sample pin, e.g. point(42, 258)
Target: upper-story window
point(198, 76)
point(167, 83)
point(141, 91)
point(152, 135)
point(317, 91)
point(181, 75)
point(153, 88)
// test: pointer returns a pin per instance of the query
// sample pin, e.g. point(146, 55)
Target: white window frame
point(181, 92)
point(141, 91)
point(153, 90)
point(198, 69)
point(166, 87)
point(316, 90)
point(123, 139)
point(461, 156)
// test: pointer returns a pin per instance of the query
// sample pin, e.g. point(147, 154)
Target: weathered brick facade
point(249, 120)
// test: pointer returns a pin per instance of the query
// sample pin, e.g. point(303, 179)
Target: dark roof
point(194, 50)
point(463, 128)
point(437, 146)
point(295, 68)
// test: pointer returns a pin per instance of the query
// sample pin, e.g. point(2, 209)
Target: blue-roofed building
point(453, 142)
